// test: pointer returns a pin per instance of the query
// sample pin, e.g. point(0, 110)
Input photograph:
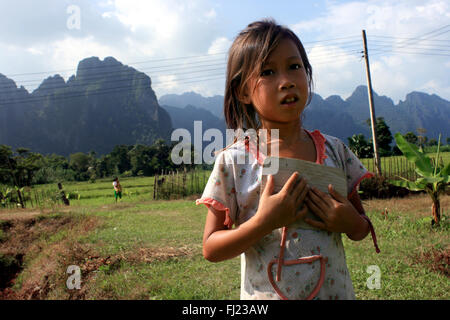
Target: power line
point(400, 38)
point(416, 53)
point(128, 64)
point(131, 88)
point(426, 36)
point(129, 77)
point(157, 60)
point(189, 64)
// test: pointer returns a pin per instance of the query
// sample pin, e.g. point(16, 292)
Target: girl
point(268, 85)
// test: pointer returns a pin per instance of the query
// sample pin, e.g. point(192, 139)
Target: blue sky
point(409, 41)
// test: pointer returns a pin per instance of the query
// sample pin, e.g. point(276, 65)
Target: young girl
point(117, 189)
point(268, 85)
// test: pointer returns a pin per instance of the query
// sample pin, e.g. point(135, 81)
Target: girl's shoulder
point(334, 143)
point(238, 153)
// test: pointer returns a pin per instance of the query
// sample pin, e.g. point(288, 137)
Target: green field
point(145, 249)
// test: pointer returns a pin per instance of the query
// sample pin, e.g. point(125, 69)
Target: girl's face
point(279, 94)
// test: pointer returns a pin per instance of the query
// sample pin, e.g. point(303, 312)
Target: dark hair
point(246, 58)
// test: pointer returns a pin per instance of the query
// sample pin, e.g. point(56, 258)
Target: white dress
point(234, 187)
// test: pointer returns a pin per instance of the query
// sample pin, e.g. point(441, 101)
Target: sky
point(182, 45)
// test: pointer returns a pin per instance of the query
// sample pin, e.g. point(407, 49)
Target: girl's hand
point(282, 208)
point(337, 213)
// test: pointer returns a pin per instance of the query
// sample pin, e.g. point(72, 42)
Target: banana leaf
point(446, 171)
point(430, 180)
point(406, 184)
point(412, 153)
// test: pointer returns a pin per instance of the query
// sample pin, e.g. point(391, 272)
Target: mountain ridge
point(106, 103)
point(343, 118)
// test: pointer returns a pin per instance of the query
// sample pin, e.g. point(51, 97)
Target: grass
point(145, 249)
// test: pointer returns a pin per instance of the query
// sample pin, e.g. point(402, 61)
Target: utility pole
point(372, 109)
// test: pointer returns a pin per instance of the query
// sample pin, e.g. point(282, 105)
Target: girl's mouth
point(289, 100)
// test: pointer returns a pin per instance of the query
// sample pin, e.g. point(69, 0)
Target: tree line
point(25, 168)
point(363, 148)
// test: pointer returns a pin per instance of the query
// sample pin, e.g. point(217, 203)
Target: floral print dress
point(234, 187)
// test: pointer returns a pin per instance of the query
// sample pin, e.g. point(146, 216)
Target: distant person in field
point(117, 188)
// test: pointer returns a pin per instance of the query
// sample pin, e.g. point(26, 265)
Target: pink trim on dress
point(319, 143)
point(209, 202)
point(355, 187)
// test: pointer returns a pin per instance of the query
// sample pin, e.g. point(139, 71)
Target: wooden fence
point(35, 198)
point(395, 167)
point(179, 184)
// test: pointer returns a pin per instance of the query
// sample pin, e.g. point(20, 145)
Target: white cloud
point(68, 50)
point(394, 73)
point(167, 82)
point(219, 45)
point(35, 51)
point(211, 14)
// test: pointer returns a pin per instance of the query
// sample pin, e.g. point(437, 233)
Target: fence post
point(155, 186)
point(63, 194)
point(31, 199)
point(390, 167)
point(171, 182)
point(184, 182)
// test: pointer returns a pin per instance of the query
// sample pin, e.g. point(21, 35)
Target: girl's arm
point(274, 211)
point(363, 228)
point(220, 243)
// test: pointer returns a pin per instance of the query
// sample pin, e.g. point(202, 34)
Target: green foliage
point(360, 146)
point(433, 179)
point(384, 137)
point(32, 168)
point(18, 168)
point(411, 138)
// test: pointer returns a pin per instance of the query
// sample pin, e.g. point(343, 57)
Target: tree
point(6, 164)
point(434, 179)
point(411, 138)
point(80, 163)
point(432, 142)
point(141, 160)
point(384, 137)
point(422, 137)
point(27, 164)
point(360, 146)
point(119, 155)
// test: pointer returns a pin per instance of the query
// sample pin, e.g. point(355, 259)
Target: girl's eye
point(266, 72)
point(296, 66)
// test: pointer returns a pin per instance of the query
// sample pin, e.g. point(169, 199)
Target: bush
point(52, 175)
point(379, 187)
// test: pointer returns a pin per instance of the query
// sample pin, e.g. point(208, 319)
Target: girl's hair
point(246, 58)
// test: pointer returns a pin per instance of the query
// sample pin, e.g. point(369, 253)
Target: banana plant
point(5, 196)
point(434, 179)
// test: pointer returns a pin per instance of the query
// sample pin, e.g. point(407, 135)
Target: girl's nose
point(286, 83)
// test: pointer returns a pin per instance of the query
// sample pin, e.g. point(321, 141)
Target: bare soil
point(27, 241)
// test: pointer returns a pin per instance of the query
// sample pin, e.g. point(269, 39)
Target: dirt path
point(26, 214)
